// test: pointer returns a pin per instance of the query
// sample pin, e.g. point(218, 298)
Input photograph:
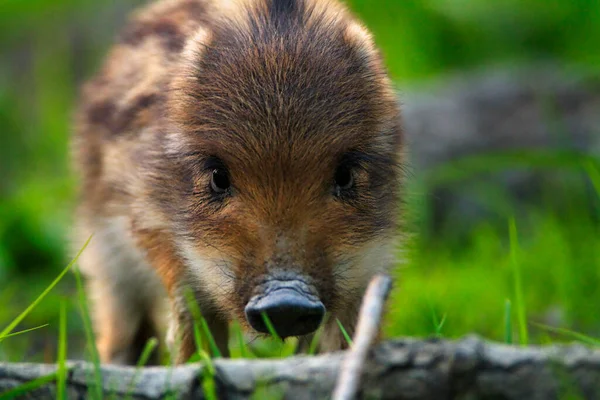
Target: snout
point(290, 308)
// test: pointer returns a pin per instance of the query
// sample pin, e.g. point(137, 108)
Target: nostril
point(290, 312)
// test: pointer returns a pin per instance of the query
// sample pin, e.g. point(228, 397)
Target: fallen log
point(470, 368)
point(491, 144)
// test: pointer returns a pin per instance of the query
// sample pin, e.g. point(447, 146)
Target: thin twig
point(366, 331)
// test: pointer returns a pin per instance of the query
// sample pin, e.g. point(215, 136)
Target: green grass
point(508, 322)
point(270, 327)
point(90, 337)
point(438, 324)
point(4, 333)
point(554, 274)
point(201, 326)
point(514, 256)
point(238, 334)
point(286, 347)
point(27, 387)
point(314, 343)
point(209, 386)
point(61, 382)
point(345, 334)
point(594, 174)
point(25, 331)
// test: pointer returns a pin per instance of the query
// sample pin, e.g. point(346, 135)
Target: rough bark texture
point(400, 369)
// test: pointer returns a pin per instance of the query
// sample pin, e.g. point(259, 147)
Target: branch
point(401, 369)
point(367, 329)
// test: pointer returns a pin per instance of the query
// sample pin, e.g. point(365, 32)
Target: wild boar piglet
point(246, 152)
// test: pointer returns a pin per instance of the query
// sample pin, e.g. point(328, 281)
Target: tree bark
point(470, 368)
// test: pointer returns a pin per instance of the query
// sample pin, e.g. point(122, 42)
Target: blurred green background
point(49, 46)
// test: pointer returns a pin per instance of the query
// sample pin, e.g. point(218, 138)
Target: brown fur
point(278, 91)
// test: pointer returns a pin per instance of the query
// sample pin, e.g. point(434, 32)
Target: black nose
point(291, 313)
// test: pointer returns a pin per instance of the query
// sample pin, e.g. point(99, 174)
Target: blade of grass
point(286, 347)
point(90, 337)
point(437, 324)
point(197, 336)
point(520, 304)
point(289, 347)
point(594, 175)
point(150, 346)
point(199, 319)
point(438, 328)
point(270, 327)
point(28, 387)
point(236, 328)
point(61, 384)
point(507, 322)
point(21, 316)
point(209, 386)
point(346, 336)
point(572, 334)
point(312, 348)
point(211, 340)
point(25, 331)
point(169, 392)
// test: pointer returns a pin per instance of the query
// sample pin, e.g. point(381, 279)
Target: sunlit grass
point(27, 387)
point(61, 382)
point(25, 331)
point(287, 347)
point(200, 326)
point(594, 174)
point(270, 327)
point(4, 333)
point(556, 272)
point(345, 334)
point(90, 337)
point(438, 324)
point(238, 334)
point(314, 343)
point(508, 322)
point(519, 301)
point(60, 375)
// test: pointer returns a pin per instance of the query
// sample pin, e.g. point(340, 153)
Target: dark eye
point(344, 179)
point(219, 181)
